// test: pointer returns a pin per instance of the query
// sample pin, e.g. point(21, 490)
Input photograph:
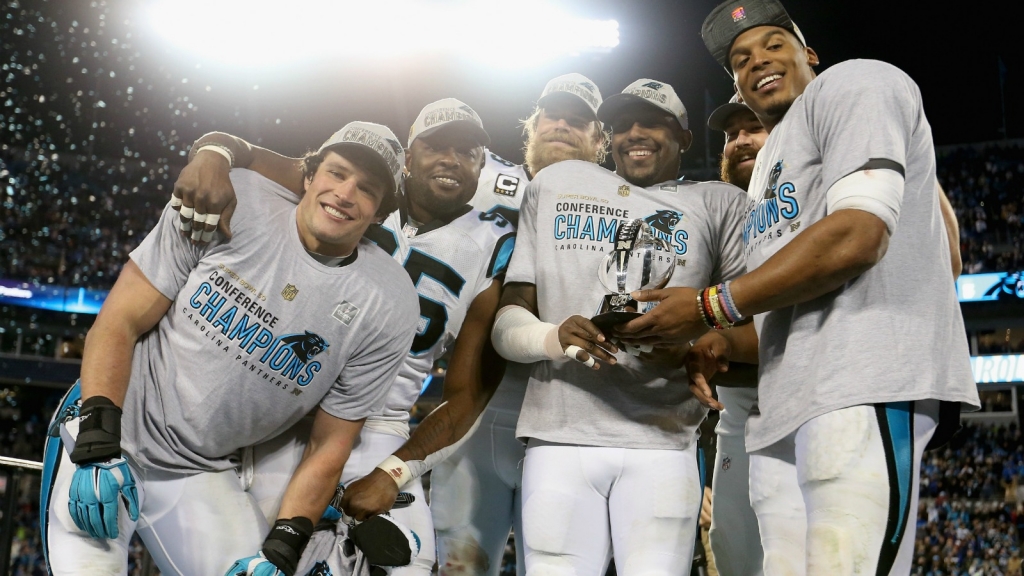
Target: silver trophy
point(641, 260)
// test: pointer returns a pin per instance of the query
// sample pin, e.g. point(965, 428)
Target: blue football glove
point(97, 490)
point(257, 565)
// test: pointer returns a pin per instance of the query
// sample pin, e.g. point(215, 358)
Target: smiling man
point(455, 256)
point(858, 331)
point(611, 462)
point(201, 351)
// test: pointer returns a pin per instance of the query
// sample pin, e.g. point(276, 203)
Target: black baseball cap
point(721, 114)
point(734, 17)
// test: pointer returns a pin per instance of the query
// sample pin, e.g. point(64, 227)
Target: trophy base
point(606, 320)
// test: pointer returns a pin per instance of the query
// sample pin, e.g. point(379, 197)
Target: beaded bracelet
point(717, 308)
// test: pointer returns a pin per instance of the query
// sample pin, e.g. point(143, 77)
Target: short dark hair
point(311, 163)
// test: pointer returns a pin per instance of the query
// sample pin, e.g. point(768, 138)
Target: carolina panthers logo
point(588, 86)
point(773, 180)
point(654, 85)
point(664, 220)
point(395, 145)
point(320, 569)
point(305, 346)
point(501, 160)
point(1009, 288)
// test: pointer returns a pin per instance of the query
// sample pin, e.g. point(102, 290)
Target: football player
point(611, 459)
point(456, 257)
point(201, 351)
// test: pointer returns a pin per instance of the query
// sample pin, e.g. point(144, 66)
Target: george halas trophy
point(634, 264)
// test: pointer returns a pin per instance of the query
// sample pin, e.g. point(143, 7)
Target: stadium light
point(257, 33)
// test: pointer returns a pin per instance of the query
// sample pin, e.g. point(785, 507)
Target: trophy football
point(634, 264)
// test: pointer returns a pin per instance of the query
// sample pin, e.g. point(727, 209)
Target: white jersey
point(501, 188)
point(450, 262)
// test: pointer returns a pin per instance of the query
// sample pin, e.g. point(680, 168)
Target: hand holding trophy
point(634, 264)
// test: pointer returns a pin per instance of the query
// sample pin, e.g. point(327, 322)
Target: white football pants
point(196, 524)
point(580, 502)
point(735, 540)
point(839, 496)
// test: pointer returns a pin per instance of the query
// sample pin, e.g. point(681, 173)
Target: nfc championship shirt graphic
point(590, 223)
point(773, 212)
point(234, 317)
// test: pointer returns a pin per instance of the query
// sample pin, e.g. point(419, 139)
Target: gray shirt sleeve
point(165, 256)
point(862, 114)
point(522, 268)
point(729, 236)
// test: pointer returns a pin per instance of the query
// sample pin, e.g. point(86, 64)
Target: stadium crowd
point(986, 187)
point(72, 220)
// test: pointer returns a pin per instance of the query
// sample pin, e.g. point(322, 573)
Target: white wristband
point(219, 150)
point(397, 469)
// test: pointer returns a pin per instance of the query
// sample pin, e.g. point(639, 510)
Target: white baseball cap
point(450, 114)
point(376, 137)
point(648, 92)
point(572, 85)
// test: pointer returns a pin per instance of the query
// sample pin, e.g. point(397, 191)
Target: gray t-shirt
point(894, 333)
point(567, 224)
point(258, 335)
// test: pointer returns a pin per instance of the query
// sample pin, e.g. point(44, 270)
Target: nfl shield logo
point(624, 190)
point(739, 14)
point(290, 292)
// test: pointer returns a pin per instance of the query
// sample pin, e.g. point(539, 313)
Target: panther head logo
point(664, 220)
point(773, 180)
point(320, 569)
point(305, 346)
point(396, 147)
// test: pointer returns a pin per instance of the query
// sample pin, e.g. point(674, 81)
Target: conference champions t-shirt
point(258, 335)
point(567, 225)
point(894, 333)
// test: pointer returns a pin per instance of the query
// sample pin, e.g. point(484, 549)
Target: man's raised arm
point(203, 193)
point(473, 375)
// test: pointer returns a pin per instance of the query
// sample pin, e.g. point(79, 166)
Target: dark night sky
point(953, 56)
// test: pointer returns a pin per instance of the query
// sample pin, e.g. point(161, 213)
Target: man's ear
point(408, 159)
point(685, 140)
point(736, 90)
point(812, 56)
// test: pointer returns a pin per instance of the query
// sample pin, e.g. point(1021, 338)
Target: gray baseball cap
point(575, 86)
point(375, 137)
point(647, 92)
point(449, 114)
point(721, 115)
point(734, 17)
